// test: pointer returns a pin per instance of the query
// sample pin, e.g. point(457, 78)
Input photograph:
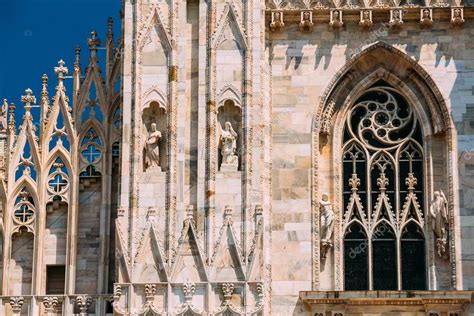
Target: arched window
point(383, 191)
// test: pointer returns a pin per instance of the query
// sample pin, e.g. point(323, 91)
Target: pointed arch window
point(383, 190)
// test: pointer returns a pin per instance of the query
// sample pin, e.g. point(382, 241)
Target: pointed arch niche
point(368, 191)
point(230, 111)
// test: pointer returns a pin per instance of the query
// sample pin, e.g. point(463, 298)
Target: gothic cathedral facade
point(248, 157)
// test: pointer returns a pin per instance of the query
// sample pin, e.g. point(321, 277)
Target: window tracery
point(383, 193)
point(24, 210)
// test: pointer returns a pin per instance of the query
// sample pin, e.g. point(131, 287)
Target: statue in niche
point(228, 144)
point(327, 224)
point(152, 148)
point(439, 218)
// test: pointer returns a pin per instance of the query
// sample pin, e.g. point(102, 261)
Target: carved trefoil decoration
point(16, 304)
point(440, 221)
point(457, 17)
point(396, 19)
point(306, 23)
point(426, 17)
point(277, 24)
point(335, 20)
point(83, 302)
point(50, 303)
point(366, 22)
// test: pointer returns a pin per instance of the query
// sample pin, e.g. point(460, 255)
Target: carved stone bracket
point(335, 20)
point(457, 17)
point(277, 24)
point(426, 17)
point(50, 304)
point(396, 19)
point(366, 22)
point(306, 23)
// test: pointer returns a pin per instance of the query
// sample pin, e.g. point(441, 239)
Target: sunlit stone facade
point(248, 158)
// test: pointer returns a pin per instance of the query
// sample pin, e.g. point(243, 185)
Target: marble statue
point(439, 220)
point(152, 147)
point(327, 224)
point(228, 144)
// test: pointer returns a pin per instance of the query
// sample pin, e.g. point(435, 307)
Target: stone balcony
point(393, 303)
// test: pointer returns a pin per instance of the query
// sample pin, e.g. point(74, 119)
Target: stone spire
point(77, 73)
point(44, 104)
point(110, 25)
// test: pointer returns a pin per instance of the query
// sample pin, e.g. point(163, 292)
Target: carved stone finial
point(189, 289)
point(277, 24)
point(227, 290)
point(44, 94)
point(28, 100)
point(50, 303)
point(16, 303)
point(77, 60)
point(93, 41)
point(11, 119)
point(61, 71)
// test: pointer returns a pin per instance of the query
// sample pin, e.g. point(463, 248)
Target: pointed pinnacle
point(77, 51)
point(110, 24)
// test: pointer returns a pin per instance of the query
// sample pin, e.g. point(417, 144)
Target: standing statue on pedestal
point(152, 148)
point(327, 224)
point(228, 144)
point(3, 116)
point(439, 221)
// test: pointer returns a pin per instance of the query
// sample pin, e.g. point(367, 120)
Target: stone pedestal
point(229, 167)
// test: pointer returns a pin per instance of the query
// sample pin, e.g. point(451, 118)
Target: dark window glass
point(384, 258)
point(55, 279)
point(355, 259)
point(413, 258)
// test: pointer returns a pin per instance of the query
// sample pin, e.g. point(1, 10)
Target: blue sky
point(35, 34)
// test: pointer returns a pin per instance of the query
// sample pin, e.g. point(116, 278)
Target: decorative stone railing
point(306, 14)
point(55, 305)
